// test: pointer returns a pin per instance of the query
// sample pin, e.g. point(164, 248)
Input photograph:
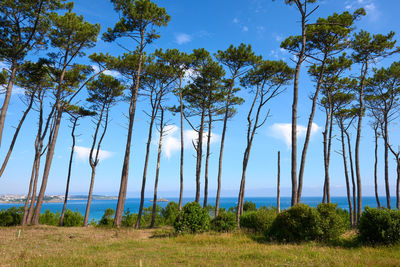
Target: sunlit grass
point(94, 246)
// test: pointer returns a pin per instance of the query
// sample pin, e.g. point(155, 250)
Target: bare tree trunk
point(278, 187)
point(386, 140)
point(376, 168)
point(353, 182)
point(7, 97)
point(207, 159)
point(146, 161)
point(325, 135)
point(21, 121)
point(69, 171)
point(49, 158)
point(182, 149)
point(199, 150)
point(346, 174)
point(28, 197)
point(398, 184)
point(309, 128)
point(153, 213)
point(328, 191)
point(89, 201)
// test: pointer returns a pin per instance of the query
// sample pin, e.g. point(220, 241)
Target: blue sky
point(213, 25)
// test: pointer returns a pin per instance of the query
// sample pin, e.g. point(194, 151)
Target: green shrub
point(192, 219)
point(332, 221)
point(128, 219)
point(50, 218)
point(73, 218)
point(249, 206)
point(258, 221)
point(170, 212)
point(11, 216)
point(379, 226)
point(224, 222)
point(108, 217)
point(145, 220)
point(299, 223)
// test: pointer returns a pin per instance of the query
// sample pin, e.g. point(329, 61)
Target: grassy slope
point(111, 247)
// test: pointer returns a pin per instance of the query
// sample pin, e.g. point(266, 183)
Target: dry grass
point(56, 246)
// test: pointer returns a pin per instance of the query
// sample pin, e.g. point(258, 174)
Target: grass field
point(94, 246)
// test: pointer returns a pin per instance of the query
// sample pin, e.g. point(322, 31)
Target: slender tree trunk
point(325, 136)
point(34, 188)
point(69, 171)
point(353, 182)
point(21, 121)
point(278, 187)
point(221, 149)
point(49, 158)
point(376, 168)
point(28, 197)
point(386, 140)
point(358, 139)
point(199, 150)
point(308, 132)
point(207, 159)
point(328, 191)
point(346, 174)
point(153, 213)
point(398, 183)
point(182, 148)
point(7, 97)
point(146, 161)
point(125, 167)
point(89, 201)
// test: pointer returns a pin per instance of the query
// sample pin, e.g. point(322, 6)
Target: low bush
point(258, 221)
point(333, 222)
point(145, 220)
point(249, 206)
point(73, 218)
point(299, 223)
point(224, 222)
point(128, 219)
point(170, 212)
point(192, 219)
point(108, 217)
point(11, 216)
point(379, 226)
point(50, 218)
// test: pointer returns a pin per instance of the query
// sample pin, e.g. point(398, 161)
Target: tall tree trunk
point(125, 167)
point(21, 121)
point(221, 149)
point(386, 140)
point(7, 97)
point(398, 183)
point(207, 158)
point(353, 182)
point(199, 156)
point(89, 201)
point(358, 139)
point(346, 173)
point(182, 148)
point(69, 171)
point(278, 185)
point(146, 161)
point(326, 173)
point(49, 158)
point(309, 129)
point(29, 195)
point(153, 213)
point(328, 191)
point(376, 168)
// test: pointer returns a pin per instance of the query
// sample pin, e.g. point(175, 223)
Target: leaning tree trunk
point(125, 167)
point(346, 174)
point(89, 201)
point(29, 196)
point(69, 171)
point(21, 121)
point(146, 161)
point(386, 140)
point(153, 213)
point(7, 97)
point(353, 182)
point(376, 168)
point(207, 159)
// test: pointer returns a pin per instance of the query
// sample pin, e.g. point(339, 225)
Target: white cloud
point(83, 153)
point(172, 143)
point(370, 8)
point(113, 73)
point(182, 38)
point(235, 20)
point(245, 29)
point(283, 131)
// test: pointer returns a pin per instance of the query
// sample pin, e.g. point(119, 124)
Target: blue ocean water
point(99, 206)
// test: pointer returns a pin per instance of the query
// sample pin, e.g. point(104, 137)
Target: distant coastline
point(20, 199)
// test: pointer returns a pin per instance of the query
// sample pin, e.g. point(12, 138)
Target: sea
point(99, 206)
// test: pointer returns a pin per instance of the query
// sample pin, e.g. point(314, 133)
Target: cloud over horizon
point(82, 153)
point(283, 131)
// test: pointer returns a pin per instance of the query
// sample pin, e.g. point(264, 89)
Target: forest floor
point(95, 246)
